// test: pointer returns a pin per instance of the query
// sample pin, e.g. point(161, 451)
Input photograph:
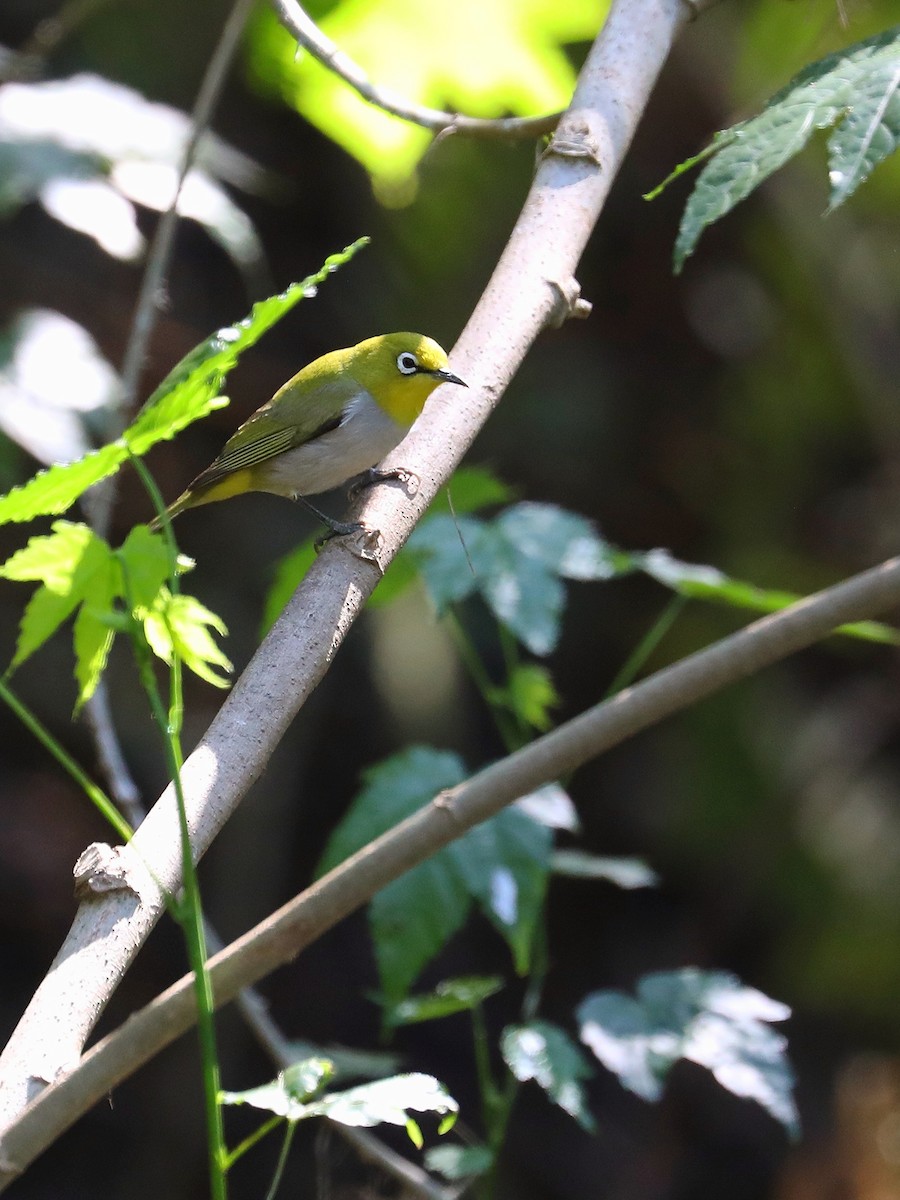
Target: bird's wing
point(297, 419)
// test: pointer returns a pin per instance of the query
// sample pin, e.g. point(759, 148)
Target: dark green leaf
point(459, 1162)
point(708, 1017)
point(545, 1053)
point(450, 997)
point(505, 863)
point(855, 90)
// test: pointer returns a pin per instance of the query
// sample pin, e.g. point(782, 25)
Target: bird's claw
point(409, 479)
point(361, 540)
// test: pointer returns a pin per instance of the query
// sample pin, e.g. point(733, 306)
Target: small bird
point(333, 420)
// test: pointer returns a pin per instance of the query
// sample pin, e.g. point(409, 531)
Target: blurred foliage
point(484, 60)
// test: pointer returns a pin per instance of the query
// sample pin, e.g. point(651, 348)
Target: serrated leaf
point(93, 632)
point(544, 1052)
point(68, 561)
point(505, 864)
point(623, 872)
point(566, 543)
point(502, 864)
point(444, 551)
point(189, 391)
point(180, 624)
point(707, 1017)
point(145, 565)
point(855, 90)
point(413, 918)
point(459, 1162)
point(448, 998)
point(387, 1102)
point(289, 1092)
point(530, 694)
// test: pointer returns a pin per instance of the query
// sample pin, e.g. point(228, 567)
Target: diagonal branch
point(532, 287)
point(283, 935)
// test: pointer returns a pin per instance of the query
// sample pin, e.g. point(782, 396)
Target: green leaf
point(289, 1092)
point(701, 582)
point(529, 694)
point(564, 542)
point(413, 917)
point(459, 1162)
point(707, 1017)
point(288, 573)
point(94, 631)
point(144, 557)
point(545, 1053)
point(386, 1101)
point(189, 391)
point(470, 490)
point(505, 863)
point(515, 562)
point(501, 864)
point(180, 624)
point(70, 562)
point(486, 60)
point(623, 872)
point(448, 998)
point(855, 92)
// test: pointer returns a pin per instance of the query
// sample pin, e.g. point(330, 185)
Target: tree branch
point(301, 26)
point(531, 287)
point(283, 935)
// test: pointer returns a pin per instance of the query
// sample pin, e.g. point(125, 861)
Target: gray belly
point(366, 435)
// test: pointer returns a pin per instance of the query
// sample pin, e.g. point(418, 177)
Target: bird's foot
point(409, 479)
point(361, 540)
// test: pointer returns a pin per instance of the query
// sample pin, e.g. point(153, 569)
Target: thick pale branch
point(532, 287)
point(283, 935)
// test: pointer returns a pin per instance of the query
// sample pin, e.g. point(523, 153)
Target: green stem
point(94, 793)
point(482, 681)
point(647, 645)
point(188, 911)
point(282, 1159)
point(249, 1142)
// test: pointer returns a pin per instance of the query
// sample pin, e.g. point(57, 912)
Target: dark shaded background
point(743, 415)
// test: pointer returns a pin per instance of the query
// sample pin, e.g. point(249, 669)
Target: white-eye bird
point(336, 418)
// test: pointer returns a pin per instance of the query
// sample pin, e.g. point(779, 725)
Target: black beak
point(449, 377)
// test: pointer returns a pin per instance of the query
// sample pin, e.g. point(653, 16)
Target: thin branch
point(283, 935)
point(301, 26)
point(102, 498)
point(531, 287)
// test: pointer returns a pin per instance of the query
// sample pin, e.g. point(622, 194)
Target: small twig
point(321, 47)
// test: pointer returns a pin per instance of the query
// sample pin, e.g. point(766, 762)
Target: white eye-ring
point(407, 364)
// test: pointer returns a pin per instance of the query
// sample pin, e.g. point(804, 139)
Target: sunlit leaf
point(448, 998)
point(180, 624)
point(545, 1053)
point(855, 92)
point(708, 1017)
point(623, 872)
point(386, 1101)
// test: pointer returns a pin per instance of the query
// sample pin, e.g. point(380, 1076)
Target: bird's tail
point(184, 501)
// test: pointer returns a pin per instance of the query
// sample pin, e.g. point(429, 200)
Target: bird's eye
point(407, 364)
